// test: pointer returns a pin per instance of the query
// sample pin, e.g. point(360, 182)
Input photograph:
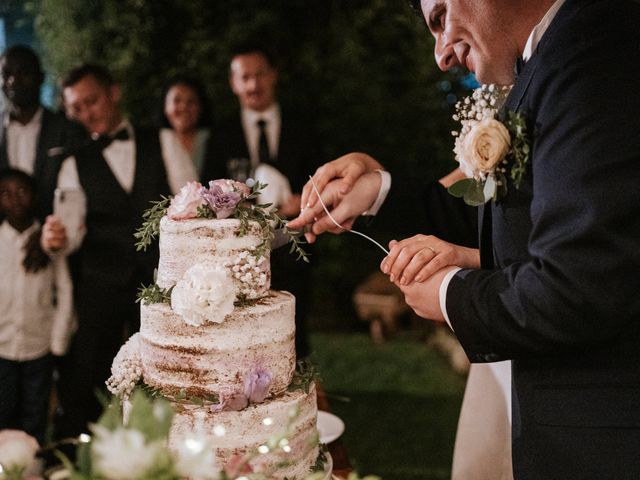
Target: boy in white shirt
point(36, 319)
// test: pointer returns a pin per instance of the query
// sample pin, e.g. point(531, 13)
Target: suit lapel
point(513, 103)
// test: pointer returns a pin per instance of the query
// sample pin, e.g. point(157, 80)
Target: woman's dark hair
point(205, 110)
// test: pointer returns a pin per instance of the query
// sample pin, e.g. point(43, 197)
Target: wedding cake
point(216, 341)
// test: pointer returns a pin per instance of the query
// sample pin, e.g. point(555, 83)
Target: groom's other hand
point(346, 169)
point(424, 297)
point(418, 257)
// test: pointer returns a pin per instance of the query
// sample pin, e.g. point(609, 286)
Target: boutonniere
point(488, 149)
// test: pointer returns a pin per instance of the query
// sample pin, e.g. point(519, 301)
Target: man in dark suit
point(32, 137)
point(116, 176)
point(556, 290)
point(264, 137)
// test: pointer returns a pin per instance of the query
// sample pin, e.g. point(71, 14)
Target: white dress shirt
point(273, 120)
point(177, 160)
point(22, 141)
point(120, 155)
point(31, 323)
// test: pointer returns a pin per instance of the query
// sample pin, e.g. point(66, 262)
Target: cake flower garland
point(137, 449)
point(486, 146)
point(222, 199)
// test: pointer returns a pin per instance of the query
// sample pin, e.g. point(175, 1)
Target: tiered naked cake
point(222, 350)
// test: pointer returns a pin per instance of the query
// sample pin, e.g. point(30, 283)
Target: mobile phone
point(68, 206)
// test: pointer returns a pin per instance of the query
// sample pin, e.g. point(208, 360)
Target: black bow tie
point(105, 140)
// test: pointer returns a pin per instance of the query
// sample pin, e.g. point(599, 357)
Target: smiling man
point(555, 289)
point(115, 177)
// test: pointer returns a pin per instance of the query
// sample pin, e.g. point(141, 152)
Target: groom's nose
point(444, 53)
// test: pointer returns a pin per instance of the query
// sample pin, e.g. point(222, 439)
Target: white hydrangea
point(123, 454)
point(126, 368)
point(204, 294)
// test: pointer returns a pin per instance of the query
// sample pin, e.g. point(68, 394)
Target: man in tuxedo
point(32, 137)
point(272, 144)
point(116, 176)
point(555, 286)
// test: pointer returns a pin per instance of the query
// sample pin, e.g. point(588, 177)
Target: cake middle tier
point(218, 358)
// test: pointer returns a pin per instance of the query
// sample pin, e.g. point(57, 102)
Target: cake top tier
point(216, 231)
point(222, 199)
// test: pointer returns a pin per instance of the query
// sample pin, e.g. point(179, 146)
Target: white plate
point(330, 427)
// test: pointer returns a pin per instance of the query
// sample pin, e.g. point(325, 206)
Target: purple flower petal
point(256, 385)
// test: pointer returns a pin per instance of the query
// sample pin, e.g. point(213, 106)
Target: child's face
point(16, 199)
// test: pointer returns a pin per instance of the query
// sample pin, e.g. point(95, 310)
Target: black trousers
point(24, 398)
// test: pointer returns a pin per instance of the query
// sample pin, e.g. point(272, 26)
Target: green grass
point(399, 401)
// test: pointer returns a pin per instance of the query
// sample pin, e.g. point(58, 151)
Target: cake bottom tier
point(291, 416)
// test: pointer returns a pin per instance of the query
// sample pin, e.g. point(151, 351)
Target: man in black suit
point(555, 285)
point(264, 137)
point(116, 177)
point(32, 137)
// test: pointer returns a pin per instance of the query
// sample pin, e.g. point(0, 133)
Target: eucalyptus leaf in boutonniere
point(488, 149)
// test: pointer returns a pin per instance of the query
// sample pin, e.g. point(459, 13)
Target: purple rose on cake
point(256, 389)
point(223, 196)
point(256, 385)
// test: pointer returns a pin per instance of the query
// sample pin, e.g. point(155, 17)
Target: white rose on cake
point(204, 294)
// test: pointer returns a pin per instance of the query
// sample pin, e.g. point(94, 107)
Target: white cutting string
point(340, 226)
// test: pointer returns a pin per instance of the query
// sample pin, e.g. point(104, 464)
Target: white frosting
point(234, 433)
point(214, 358)
point(184, 243)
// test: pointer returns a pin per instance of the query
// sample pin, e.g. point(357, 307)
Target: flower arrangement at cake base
point(137, 449)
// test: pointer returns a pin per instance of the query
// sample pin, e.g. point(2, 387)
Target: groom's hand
point(344, 208)
point(347, 169)
point(424, 297)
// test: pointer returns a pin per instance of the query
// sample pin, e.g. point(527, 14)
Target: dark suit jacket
point(298, 157)
point(298, 150)
point(57, 137)
point(561, 298)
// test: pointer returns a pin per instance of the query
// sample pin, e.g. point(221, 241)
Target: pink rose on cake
point(205, 293)
point(185, 204)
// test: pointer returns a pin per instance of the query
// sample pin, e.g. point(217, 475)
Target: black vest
point(108, 254)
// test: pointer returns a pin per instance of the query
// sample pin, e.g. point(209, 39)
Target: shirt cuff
point(443, 294)
point(385, 185)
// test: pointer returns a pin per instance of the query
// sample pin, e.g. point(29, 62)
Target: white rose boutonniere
point(205, 293)
point(485, 146)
